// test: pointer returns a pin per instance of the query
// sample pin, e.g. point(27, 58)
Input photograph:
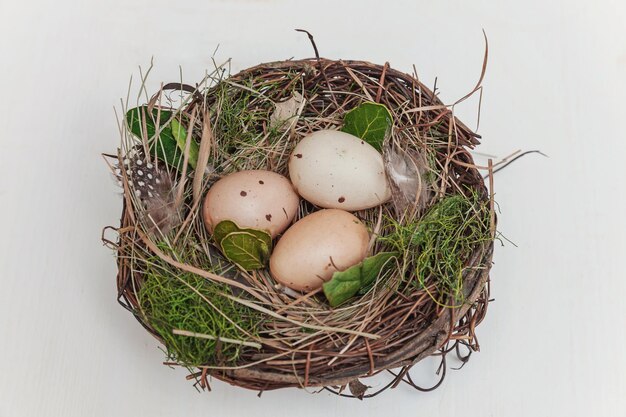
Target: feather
point(406, 171)
point(154, 189)
point(287, 110)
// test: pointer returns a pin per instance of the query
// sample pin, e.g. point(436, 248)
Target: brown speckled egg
point(254, 199)
point(316, 246)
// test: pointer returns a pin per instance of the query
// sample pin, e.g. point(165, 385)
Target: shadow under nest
point(297, 340)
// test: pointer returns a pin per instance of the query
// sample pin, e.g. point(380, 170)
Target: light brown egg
point(316, 246)
point(254, 199)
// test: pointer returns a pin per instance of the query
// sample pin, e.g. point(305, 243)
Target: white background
point(554, 341)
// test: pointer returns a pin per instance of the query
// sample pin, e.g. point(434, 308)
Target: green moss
point(191, 303)
point(437, 247)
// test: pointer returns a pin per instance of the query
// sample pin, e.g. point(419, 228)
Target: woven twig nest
point(292, 339)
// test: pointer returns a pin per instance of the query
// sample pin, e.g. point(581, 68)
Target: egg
point(316, 246)
point(333, 169)
point(254, 199)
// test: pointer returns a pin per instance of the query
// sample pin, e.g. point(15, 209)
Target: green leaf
point(370, 122)
point(372, 267)
point(248, 248)
point(223, 228)
point(180, 133)
point(165, 146)
point(345, 284)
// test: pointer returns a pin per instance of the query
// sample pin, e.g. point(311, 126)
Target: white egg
point(333, 169)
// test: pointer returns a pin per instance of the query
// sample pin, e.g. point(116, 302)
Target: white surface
point(553, 342)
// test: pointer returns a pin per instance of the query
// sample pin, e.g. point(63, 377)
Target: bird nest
point(243, 327)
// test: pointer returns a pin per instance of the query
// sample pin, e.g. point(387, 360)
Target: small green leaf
point(134, 120)
point(374, 264)
point(223, 228)
point(165, 146)
point(248, 248)
point(370, 122)
point(372, 268)
point(180, 133)
point(345, 284)
point(262, 235)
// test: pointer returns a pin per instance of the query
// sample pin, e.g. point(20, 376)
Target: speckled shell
point(333, 169)
point(256, 199)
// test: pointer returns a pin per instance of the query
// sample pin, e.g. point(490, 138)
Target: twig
point(203, 156)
